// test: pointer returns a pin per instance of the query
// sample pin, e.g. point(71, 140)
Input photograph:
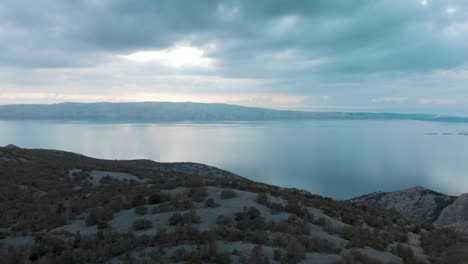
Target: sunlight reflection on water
point(340, 159)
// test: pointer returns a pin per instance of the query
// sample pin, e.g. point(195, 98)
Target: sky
point(323, 55)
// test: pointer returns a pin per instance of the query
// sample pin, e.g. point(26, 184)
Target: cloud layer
point(360, 55)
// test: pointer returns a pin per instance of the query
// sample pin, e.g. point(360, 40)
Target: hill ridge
point(188, 111)
point(62, 207)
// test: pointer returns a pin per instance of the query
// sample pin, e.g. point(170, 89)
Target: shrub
point(142, 224)
point(277, 255)
point(175, 219)
point(357, 257)
point(181, 203)
point(261, 198)
point(155, 198)
point(180, 254)
point(230, 234)
point(320, 245)
point(141, 210)
point(224, 220)
point(162, 208)
point(250, 218)
point(295, 251)
point(144, 241)
point(293, 225)
point(280, 240)
point(293, 207)
point(227, 194)
point(98, 215)
point(162, 236)
point(256, 255)
point(184, 219)
point(445, 246)
point(197, 194)
point(138, 200)
point(210, 203)
point(223, 258)
point(406, 254)
point(322, 222)
point(260, 237)
point(155, 255)
point(102, 225)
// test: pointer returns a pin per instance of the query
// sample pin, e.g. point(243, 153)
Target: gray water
point(339, 159)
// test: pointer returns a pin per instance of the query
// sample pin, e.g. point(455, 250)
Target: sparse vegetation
point(277, 224)
point(445, 246)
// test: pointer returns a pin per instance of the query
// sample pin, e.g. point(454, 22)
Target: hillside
point(418, 204)
point(424, 206)
point(61, 207)
point(168, 112)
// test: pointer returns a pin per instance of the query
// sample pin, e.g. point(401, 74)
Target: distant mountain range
point(165, 111)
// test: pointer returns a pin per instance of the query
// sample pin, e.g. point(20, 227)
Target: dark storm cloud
point(301, 46)
point(359, 35)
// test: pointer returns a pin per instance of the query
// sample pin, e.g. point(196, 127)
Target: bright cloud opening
point(451, 10)
point(176, 57)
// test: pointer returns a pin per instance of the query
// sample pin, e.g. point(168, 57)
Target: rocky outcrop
point(423, 206)
point(455, 215)
point(418, 204)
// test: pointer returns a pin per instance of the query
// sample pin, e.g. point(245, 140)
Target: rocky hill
point(418, 204)
point(60, 207)
point(455, 215)
point(423, 206)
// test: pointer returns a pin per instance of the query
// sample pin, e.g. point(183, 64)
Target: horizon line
point(318, 110)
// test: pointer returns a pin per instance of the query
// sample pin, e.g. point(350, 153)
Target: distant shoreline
point(190, 112)
point(446, 134)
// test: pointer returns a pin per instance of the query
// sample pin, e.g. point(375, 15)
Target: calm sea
point(339, 159)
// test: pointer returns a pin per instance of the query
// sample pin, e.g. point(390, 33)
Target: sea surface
point(338, 159)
